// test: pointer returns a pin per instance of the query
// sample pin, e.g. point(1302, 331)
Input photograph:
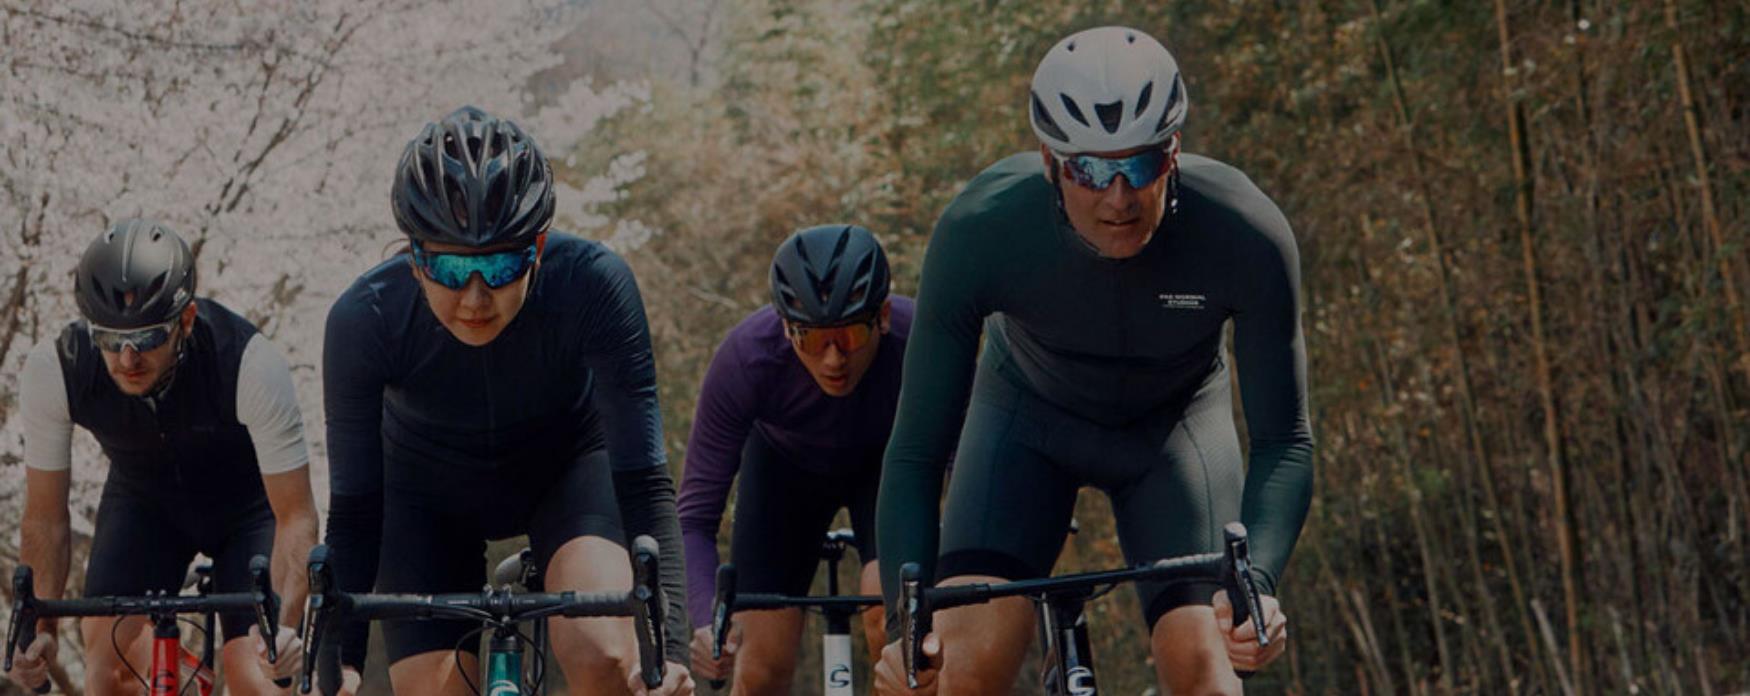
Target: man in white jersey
point(196, 412)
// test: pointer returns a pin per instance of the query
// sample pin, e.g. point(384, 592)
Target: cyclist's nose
point(475, 295)
point(129, 358)
point(1120, 196)
point(833, 357)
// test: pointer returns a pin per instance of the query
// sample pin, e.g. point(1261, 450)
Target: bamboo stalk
point(1549, 638)
point(1375, 656)
point(1478, 453)
point(1523, 208)
point(1399, 440)
point(1709, 214)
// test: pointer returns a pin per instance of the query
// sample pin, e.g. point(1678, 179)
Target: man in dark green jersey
point(1101, 272)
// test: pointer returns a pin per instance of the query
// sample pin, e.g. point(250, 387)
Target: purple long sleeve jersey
point(756, 381)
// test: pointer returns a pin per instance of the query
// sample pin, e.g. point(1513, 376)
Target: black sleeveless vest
point(186, 446)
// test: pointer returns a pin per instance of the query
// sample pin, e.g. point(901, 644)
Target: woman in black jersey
point(493, 381)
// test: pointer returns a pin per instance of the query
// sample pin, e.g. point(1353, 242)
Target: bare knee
point(770, 641)
point(1190, 657)
point(106, 644)
point(983, 644)
point(592, 650)
point(755, 678)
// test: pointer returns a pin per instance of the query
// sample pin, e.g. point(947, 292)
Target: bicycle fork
point(1068, 667)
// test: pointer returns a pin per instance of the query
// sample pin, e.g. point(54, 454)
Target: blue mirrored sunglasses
point(141, 340)
point(452, 271)
point(1097, 173)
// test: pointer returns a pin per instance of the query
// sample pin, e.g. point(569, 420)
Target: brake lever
point(721, 611)
point(650, 607)
point(317, 606)
point(915, 621)
point(23, 624)
point(1242, 592)
point(267, 610)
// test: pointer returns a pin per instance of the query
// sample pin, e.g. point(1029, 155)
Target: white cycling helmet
point(1107, 89)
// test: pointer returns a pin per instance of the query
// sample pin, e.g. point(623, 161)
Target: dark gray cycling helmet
point(138, 273)
point(829, 274)
point(475, 180)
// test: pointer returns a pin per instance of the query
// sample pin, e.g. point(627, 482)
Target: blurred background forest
point(1522, 229)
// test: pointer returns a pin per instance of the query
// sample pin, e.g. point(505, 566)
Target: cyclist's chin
point(837, 385)
point(134, 383)
point(476, 333)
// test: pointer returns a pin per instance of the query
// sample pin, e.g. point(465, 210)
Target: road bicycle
point(499, 609)
point(164, 677)
point(1068, 667)
point(839, 610)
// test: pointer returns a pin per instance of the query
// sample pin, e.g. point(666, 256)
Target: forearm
point(701, 554)
point(46, 546)
point(907, 518)
point(1279, 488)
point(647, 506)
point(293, 538)
point(355, 534)
point(45, 533)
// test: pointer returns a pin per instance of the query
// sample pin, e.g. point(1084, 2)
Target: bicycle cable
point(475, 635)
point(115, 626)
point(204, 637)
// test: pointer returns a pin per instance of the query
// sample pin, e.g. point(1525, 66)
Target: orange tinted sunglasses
point(813, 340)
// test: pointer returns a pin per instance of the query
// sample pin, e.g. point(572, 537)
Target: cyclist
point(1101, 271)
point(799, 398)
point(196, 412)
point(495, 379)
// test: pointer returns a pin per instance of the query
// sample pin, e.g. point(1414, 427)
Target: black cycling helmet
point(829, 274)
point(475, 180)
point(136, 274)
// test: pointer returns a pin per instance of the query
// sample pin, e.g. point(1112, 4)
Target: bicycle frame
point(163, 676)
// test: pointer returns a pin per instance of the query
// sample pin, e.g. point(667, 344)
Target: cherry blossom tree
point(265, 133)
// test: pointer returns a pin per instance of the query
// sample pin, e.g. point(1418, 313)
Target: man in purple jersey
point(799, 399)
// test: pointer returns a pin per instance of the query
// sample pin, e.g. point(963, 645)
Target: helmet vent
point(458, 201)
point(153, 288)
point(1043, 118)
point(495, 197)
point(1072, 47)
point(1111, 115)
point(1172, 101)
point(823, 285)
point(1075, 112)
point(1142, 97)
point(1129, 38)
